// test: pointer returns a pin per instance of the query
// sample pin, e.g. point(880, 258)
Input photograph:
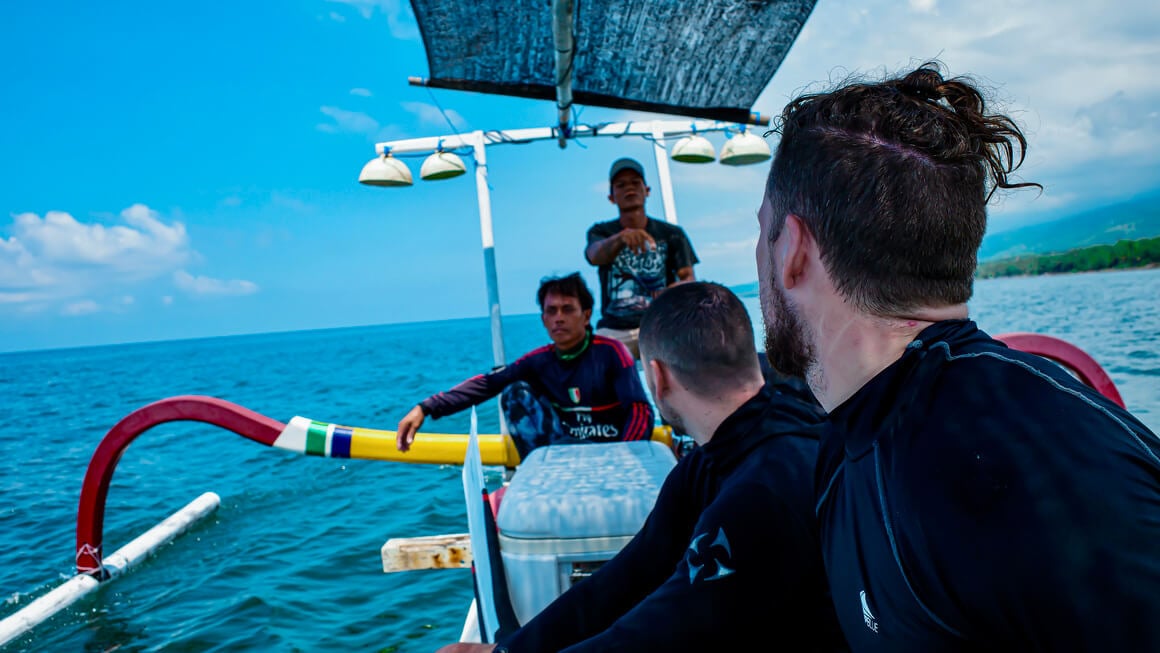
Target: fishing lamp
point(442, 165)
point(385, 170)
point(743, 149)
point(694, 148)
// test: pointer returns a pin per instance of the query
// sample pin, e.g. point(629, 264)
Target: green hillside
point(1124, 254)
point(1130, 220)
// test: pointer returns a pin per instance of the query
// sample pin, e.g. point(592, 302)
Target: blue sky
point(173, 171)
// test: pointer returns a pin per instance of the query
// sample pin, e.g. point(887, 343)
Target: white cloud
point(19, 269)
point(199, 285)
point(167, 300)
point(16, 297)
point(728, 261)
point(357, 122)
point(146, 243)
point(57, 256)
point(287, 202)
point(429, 114)
point(59, 263)
point(924, 6)
point(729, 249)
point(352, 122)
point(83, 307)
point(364, 7)
point(712, 176)
point(400, 20)
point(337, 17)
point(232, 201)
point(1079, 78)
point(361, 92)
point(745, 217)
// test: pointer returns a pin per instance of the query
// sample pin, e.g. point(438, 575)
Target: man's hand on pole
point(408, 426)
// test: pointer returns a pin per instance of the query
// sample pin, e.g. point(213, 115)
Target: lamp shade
point(743, 149)
point(385, 170)
point(694, 149)
point(442, 165)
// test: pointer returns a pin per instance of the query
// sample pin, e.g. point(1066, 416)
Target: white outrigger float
point(552, 527)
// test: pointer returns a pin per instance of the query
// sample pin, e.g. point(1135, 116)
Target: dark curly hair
point(892, 179)
point(571, 285)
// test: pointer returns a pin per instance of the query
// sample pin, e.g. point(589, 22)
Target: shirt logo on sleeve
point(867, 616)
point(710, 557)
point(574, 395)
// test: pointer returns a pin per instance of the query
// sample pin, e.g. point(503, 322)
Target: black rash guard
point(977, 498)
point(728, 559)
point(597, 394)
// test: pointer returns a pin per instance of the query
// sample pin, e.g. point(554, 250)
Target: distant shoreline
point(1142, 253)
point(1082, 260)
point(1149, 266)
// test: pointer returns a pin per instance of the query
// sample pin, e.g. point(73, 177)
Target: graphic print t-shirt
point(629, 283)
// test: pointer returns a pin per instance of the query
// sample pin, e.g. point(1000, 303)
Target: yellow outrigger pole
point(310, 437)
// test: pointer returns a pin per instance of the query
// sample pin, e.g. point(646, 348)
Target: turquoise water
point(291, 559)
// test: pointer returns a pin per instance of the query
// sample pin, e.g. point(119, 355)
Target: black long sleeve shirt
point(728, 560)
point(597, 394)
point(976, 498)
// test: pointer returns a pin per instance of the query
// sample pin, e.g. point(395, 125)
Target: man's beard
point(670, 416)
point(786, 335)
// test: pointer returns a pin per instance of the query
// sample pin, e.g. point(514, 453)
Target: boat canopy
point(706, 59)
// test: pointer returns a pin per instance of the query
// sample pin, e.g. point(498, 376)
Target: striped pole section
point(313, 438)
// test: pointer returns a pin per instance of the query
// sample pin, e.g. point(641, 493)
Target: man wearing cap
point(638, 256)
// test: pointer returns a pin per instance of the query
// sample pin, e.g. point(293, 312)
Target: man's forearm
point(469, 393)
point(603, 252)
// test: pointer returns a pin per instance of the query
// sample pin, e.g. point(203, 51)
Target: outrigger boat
point(529, 541)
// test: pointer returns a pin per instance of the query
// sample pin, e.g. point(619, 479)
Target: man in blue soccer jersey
point(581, 387)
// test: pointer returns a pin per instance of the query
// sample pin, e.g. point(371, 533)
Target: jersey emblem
point(867, 616)
point(710, 557)
point(574, 395)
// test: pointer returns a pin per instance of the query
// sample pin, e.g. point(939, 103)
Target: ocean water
point(290, 562)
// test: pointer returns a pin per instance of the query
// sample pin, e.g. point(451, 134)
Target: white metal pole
point(483, 193)
point(565, 52)
point(666, 180)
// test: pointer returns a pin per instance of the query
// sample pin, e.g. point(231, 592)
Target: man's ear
point(587, 315)
point(610, 199)
point(793, 248)
point(662, 379)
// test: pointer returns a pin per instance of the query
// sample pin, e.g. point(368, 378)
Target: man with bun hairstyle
point(970, 497)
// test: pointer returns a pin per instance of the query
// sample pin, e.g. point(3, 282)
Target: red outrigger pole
point(91, 514)
point(1068, 355)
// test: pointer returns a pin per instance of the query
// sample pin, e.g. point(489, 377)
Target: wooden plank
point(431, 552)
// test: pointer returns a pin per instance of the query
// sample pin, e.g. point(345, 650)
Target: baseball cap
point(621, 165)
